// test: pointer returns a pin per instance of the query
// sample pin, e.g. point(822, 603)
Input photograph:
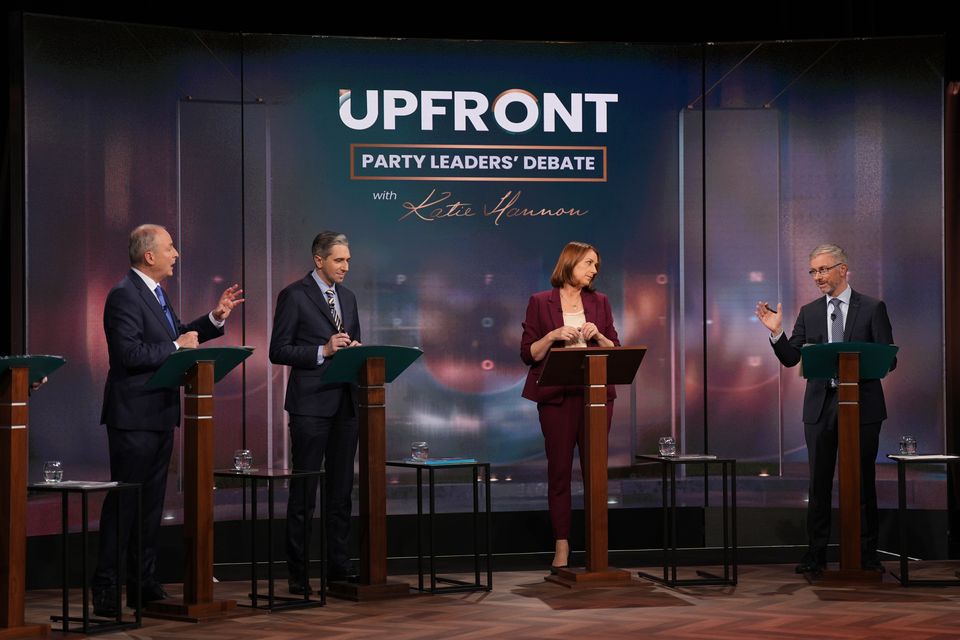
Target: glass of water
point(52, 471)
point(908, 446)
point(242, 459)
point(668, 446)
point(419, 451)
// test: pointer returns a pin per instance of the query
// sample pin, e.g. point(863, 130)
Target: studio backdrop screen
point(458, 170)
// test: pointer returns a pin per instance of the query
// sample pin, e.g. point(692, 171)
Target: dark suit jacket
point(866, 321)
point(544, 314)
point(301, 323)
point(139, 339)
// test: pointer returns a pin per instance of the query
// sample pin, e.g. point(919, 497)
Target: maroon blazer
point(544, 314)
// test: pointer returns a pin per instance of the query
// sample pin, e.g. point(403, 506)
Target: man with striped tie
point(839, 315)
point(316, 317)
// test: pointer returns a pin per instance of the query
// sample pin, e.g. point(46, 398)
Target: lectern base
point(178, 610)
point(365, 592)
point(25, 631)
point(850, 576)
point(574, 578)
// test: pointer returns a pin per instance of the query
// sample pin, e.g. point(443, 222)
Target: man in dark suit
point(142, 330)
point(839, 315)
point(315, 318)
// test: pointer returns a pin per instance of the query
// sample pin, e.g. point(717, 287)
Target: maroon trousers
point(563, 428)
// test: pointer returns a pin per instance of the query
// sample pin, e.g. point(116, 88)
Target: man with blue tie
point(142, 329)
point(839, 315)
point(315, 317)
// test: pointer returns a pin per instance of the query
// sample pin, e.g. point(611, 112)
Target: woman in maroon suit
point(571, 314)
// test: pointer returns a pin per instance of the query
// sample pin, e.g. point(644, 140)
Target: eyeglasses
point(822, 271)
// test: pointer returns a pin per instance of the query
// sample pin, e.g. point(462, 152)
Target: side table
point(728, 468)
point(432, 467)
point(902, 463)
point(90, 625)
point(269, 478)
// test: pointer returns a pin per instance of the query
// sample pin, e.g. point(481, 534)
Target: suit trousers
point(821, 438)
point(142, 457)
point(563, 429)
point(330, 444)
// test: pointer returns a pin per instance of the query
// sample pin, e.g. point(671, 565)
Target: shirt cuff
point(217, 323)
point(773, 339)
point(320, 357)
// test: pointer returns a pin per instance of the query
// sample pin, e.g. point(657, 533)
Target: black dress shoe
point(150, 593)
point(872, 564)
point(555, 569)
point(299, 587)
point(811, 563)
point(105, 602)
point(342, 574)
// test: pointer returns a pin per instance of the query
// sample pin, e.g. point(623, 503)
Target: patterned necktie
point(836, 321)
point(166, 309)
point(836, 330)
point(333, 310)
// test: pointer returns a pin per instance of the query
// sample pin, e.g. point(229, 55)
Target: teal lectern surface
point(819, 361)
point(40, 366)
point(345, 367)
point(170, 374)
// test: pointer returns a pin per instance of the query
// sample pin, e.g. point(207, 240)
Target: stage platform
point(770, 601)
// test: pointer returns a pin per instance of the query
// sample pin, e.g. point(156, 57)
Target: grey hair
point(833, 249)
point(142, 239)
point(324, 242)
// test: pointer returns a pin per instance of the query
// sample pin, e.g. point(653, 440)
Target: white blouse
point(575, 320)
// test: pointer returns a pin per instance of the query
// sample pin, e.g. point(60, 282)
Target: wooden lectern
point(593, 368)
point(17, 373)
point(850, 362)
point(371, 367)
point(196, 370)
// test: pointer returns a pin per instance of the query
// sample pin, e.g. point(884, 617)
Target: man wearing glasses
point(839, 315)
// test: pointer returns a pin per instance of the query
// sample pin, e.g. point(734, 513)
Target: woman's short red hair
point(569, 257)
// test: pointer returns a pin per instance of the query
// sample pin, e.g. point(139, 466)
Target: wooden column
point(595, 475)
point(848, 444)
point(373, 473)
point(13, 505)
point(848, 437)
point(373, 584)
point(198, 425)
point(598, 571)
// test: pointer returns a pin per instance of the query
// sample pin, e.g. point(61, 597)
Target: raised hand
point(772, 320)
point(229, 299)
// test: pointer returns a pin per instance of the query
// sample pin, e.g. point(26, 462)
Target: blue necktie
point(166, 309)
